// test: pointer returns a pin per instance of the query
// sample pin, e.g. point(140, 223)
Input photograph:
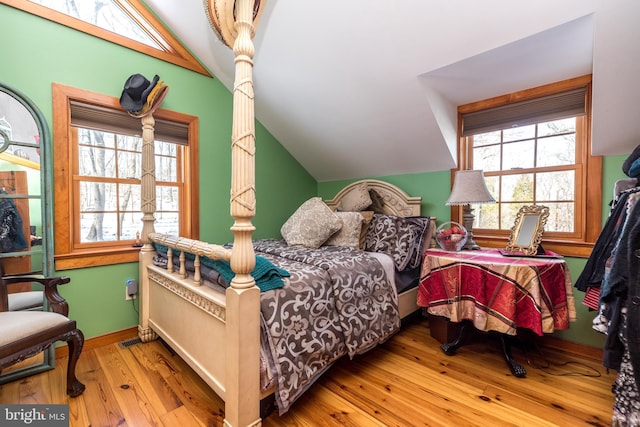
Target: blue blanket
point(265, 273)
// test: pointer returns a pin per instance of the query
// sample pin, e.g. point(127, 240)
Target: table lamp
point(469, 188)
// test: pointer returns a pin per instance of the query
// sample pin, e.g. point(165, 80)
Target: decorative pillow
point(401, 238)
point(311, 224)
point(356, 200)
point(377, 202)
point(367, 216)
point(349, 234)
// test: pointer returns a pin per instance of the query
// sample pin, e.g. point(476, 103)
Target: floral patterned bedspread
point(337, 301)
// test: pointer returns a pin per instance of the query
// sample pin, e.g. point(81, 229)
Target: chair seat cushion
point(25, 300)
point(15, 325)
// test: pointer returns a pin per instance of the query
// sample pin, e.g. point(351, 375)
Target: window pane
point(487, 158)
point(557, 127)
point(98, 227)
point(96, 161)
point(130, 225)
point(165, 148)
point(130, 196)
point(517, 188)
point(486, 216)
point(508, 214)
point(167, 223)
point(518, 133)
point(554, 186)
point(518, 155)
point(129, 143)
point(557, 150)
point(97, 196)
point(95, 138)
point(561, 217)
point(129, 164)
point(493, 185)
point(166, 169)
point(486, 138)
point(167, 198)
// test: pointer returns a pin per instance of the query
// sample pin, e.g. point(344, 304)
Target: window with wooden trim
point(534, 149)
point(97, 178)
point(125, 22)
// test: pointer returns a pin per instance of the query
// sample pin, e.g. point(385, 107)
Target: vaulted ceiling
point(363, 88)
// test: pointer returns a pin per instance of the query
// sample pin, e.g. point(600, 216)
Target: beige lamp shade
point(469, 188)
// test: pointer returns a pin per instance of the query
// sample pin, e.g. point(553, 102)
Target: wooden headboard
point(396, 201)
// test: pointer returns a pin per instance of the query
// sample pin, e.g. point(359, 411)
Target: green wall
point(37, 53)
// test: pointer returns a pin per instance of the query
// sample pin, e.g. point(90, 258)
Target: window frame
point(588, 175)
point(66, 254)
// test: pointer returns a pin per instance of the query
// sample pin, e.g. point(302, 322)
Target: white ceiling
point(363, 88)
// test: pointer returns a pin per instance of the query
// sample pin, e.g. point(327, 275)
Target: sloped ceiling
point(370, 88)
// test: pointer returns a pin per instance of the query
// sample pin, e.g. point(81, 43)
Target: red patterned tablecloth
point(496, 292)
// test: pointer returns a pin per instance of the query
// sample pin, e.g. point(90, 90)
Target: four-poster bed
point(235, 336)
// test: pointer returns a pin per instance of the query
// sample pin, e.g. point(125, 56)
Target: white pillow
point(311, 224)
point(349, 234)
point(357, 199)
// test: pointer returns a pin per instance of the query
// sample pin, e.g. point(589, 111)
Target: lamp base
point(467, 221)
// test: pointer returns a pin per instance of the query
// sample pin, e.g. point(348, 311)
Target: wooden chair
point(26, 333)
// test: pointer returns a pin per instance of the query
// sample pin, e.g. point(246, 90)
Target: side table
point(497, 293)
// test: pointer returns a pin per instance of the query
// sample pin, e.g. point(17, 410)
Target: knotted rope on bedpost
point(148, 181)
point(234, 21)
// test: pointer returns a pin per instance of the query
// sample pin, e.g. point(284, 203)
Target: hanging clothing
point(626, 406)
point(11, 234)
point(621, 304)
point(592, 274)
point(613, 269)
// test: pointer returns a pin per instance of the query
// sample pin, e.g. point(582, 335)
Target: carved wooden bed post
point(233, 21)
point(148, 202)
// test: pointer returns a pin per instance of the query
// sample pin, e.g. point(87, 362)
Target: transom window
point(535, 151)
point(109, 15)
point(125, 22)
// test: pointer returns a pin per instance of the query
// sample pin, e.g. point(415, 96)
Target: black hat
point(135, 93)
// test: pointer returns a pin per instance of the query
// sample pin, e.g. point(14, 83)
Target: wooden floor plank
point(192, 391)
point(180, 417)
point(143, 367)
point(101, 405)
point(322, 408)
point(132, 398)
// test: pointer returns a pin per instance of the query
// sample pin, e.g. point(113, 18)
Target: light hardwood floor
point(407, 381)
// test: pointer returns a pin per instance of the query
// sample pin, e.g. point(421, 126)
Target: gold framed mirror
point(527, 230)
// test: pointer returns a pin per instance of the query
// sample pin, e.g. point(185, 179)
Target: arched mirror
point(26, 244)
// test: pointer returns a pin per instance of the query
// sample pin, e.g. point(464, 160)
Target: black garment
point(629, 161)
point(632, 254)
point(624, 280)
point(592, 274)
point(11, 234)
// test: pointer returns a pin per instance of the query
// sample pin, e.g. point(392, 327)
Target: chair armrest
point(57, 303)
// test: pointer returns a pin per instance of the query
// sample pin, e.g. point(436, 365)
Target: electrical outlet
point(131, 289)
